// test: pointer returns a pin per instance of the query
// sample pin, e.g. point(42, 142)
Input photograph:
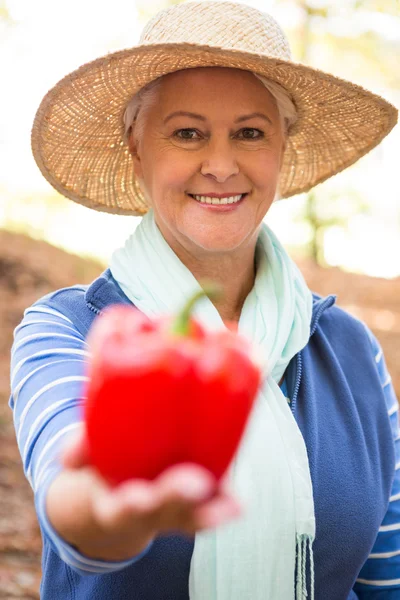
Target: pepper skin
point(165, 391)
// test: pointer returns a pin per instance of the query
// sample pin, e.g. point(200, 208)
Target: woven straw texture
point(78, 129)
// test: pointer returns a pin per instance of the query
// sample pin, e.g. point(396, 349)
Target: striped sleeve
point(380, 576)
point(47, 376)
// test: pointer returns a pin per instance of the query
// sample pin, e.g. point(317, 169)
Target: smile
point(218, 201)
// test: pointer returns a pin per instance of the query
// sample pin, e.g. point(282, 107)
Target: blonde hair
point(143, 100)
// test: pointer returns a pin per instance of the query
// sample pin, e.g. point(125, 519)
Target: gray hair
point(144, 98)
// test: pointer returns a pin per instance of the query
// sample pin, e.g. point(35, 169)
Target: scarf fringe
point(302, 542)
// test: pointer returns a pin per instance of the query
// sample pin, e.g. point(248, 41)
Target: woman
point(199, 129)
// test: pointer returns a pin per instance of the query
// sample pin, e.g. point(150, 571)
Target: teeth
point(208, 200)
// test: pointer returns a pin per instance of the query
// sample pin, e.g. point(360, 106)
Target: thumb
point(76, 451)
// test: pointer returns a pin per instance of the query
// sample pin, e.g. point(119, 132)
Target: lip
point(221, 207)
point(212, 195)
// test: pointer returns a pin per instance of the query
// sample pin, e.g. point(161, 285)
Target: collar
point(105, 291)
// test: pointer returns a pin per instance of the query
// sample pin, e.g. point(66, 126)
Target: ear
point(134, 152)
point(284, 144)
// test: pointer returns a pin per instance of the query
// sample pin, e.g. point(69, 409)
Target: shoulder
point(66, 303)
point(81, 303)
point(339, 322)
point(346, 334)
point(62, 294)
point(345, 354)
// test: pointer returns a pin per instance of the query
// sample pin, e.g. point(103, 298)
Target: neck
point(233, 271)
point(235, 275)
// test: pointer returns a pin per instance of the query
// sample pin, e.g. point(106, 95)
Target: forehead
point(209, 74)
point(219, 86)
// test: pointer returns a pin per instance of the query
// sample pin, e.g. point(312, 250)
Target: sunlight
point(77, 32)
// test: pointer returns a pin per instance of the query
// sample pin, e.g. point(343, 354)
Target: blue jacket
point(341, 397)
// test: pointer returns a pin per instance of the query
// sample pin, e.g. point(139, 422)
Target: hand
point(117, 523)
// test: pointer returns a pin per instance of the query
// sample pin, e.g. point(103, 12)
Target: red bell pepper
point(163, 392)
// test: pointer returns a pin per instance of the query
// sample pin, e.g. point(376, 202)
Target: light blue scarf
point(255, 555)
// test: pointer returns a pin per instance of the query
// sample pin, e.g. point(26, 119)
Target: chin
point(216, 245)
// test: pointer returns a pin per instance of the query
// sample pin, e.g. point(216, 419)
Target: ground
point(28, 270)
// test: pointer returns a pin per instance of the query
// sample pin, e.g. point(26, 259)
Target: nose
point(219, 161)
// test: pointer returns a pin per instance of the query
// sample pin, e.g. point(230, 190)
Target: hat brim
point(77, 134)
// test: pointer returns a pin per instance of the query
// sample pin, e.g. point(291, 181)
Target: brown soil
point(28, 270)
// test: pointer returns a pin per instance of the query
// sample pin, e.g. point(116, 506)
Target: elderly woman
point(200, 128)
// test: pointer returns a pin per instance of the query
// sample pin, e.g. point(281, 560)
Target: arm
point(90, 526)
point(379, 579)
point(47, 373)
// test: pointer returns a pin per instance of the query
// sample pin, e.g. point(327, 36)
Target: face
point(221, 147)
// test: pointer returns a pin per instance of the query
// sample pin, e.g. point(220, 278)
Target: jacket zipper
point(299, 369)
point(92, 308)
point(299, 359)
point(328, 302)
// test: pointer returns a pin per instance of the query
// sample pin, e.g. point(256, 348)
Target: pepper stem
point(180, 324)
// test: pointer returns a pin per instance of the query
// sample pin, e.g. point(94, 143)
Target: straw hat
point(78, 129)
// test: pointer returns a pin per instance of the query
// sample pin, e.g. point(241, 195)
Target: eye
point(185, 134)
point(248, 131)
point(188, 134)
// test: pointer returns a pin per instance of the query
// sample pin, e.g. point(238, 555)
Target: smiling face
point(228, 142)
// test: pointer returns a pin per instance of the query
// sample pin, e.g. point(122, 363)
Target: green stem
point(180, 324)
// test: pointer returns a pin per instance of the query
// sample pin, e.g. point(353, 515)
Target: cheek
point(265, 171)
point(170, 172)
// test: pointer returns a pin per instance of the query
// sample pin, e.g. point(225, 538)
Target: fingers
point(178, 490)
point(161, 501)
point(184, 497)
point(185, 482)
point(221, 509)
point(120, 507)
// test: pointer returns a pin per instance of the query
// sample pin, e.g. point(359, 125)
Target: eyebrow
point(183, 113)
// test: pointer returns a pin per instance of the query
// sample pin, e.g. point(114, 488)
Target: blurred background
point(345, 234)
